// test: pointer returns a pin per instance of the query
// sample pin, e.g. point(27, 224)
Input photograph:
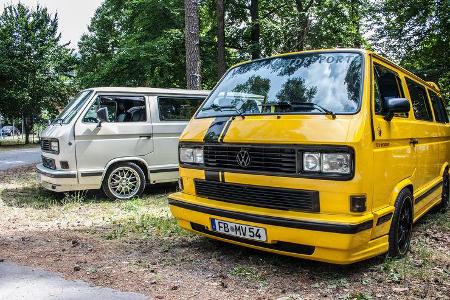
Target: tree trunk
point(27, 127)
point(192, 33)
point(221, 64)
point(303, 23)
point(255, 29)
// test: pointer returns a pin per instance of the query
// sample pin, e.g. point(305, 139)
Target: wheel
point(443, 205)
point(401, 226)
point(124, 181)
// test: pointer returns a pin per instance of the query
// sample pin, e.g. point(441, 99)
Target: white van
point(117, 139)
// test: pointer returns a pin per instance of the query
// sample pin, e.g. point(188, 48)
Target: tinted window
point(387, 85)
point(439, 109)
point(177, 108)
point(120, 109)
point(301, 84)
point(419, 100)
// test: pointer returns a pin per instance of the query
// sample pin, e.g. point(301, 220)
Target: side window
point(439, 108)
point(387, 85)
point(419, 100)
point(177, 108)
point(121, 109)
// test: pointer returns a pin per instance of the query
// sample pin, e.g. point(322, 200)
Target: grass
point(149, 218)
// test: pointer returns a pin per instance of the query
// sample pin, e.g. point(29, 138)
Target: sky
point(74, 16)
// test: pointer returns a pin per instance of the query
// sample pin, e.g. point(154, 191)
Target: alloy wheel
point(404, 229)
point(124, 182)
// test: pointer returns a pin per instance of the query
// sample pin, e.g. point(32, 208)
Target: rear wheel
point(401, 226)
point(443, 205)
point(124, 181)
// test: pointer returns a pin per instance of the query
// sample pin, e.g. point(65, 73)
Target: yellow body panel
point(385, 163)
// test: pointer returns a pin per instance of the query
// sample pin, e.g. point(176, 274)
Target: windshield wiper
point(285, 104)
point(216, 107)
point(58, 120)
point(316, 106)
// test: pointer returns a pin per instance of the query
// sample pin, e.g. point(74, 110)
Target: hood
point(56, 131)
point(284, 129)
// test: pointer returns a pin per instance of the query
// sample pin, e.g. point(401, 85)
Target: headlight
point(54, 146)
point(337, 163)
point(191, 155)
point(311, 162)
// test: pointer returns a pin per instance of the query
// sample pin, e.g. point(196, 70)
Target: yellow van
point(329, 155)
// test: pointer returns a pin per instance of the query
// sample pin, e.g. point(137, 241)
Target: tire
point(401, 225)
point(443, 205)
point(124, 181)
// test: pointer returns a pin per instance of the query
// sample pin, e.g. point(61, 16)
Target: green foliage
point(416, 33)
point(35, 69)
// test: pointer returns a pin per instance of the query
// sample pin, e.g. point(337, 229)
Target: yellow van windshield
point(309, 83)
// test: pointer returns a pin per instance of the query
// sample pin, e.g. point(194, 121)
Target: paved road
point(19, 157)
point(17, 282)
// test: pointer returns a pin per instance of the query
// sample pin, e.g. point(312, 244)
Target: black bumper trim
point(164, 170)
point(276, 221)
point(427, 193)
point(280, 246)
point(91, 174)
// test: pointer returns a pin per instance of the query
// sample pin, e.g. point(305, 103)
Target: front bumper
point(57, 180)
point(342, 240)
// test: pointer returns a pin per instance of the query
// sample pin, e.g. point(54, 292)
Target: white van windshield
point(309, 83)
point(73, 107)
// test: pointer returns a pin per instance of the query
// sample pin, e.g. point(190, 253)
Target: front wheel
point(124, 181)
point(443, 205)
point(401, 226)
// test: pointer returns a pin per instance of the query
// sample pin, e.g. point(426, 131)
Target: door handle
point(148, 136)
point(413, 141)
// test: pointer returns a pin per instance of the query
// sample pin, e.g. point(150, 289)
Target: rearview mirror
point(102, 115)
point(396, 105)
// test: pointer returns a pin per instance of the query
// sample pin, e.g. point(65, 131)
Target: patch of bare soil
point(136, 246)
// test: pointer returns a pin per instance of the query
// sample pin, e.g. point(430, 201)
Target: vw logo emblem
point(243, 158)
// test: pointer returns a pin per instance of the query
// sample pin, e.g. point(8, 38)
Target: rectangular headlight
point(339, 163)
point(191, 155)
point(54, 146)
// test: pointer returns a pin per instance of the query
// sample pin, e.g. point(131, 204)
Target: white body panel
point(90, 149)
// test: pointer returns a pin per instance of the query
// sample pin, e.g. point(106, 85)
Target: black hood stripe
point(225, 130)
point(215, 130)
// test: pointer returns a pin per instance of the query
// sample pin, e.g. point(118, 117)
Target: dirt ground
point(136, 246)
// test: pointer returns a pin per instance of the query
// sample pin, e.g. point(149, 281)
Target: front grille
point(48, 163)
point(268, 197)
point(274, 159)
point(45, 145)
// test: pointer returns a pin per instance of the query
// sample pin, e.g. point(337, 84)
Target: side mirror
point(396, 105)
point(102, 115)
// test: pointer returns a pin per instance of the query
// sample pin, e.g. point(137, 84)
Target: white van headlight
point(191, 155)
point(54, 146)
point(337, 163)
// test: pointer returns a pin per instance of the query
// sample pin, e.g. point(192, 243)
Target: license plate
point(239, 230)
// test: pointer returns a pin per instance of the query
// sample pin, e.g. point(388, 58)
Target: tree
point(192, 40)
point(134, 43)
point(35, 69)
point(415, 33)
point(221, 63)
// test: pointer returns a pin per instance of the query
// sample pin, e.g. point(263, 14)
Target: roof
point(147, 90)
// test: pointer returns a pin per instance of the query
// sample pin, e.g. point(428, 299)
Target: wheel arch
point(141, 163)
point(405, 183)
